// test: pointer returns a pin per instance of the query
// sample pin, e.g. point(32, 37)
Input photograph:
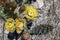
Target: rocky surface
point(49, 13)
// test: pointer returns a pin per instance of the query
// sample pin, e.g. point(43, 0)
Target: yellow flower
point(20, 25)
point(9, 25)
point(31, 13)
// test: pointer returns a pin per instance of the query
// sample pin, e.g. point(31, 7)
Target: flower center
point(30, 13)
point(21, 24)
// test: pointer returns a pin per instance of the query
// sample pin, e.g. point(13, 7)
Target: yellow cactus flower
point(31, 13)
point(9, 25)
point(20, 25)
